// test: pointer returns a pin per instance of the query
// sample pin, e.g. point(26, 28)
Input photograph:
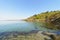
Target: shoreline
point(40, 35)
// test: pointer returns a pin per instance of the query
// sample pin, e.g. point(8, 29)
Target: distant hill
point(52, 17)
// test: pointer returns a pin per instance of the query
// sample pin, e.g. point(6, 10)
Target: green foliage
point(44, 15)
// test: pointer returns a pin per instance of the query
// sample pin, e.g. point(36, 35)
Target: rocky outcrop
point(53, 21)
point(53, 36)
point(54, 18)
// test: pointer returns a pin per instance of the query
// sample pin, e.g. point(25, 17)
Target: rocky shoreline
point(39, 35)
point(52, 19)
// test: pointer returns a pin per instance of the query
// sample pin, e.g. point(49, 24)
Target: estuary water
point(21, 26)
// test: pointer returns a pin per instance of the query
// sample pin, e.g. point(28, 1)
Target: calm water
point(21, 26)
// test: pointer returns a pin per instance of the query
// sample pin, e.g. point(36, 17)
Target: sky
point(21, 9)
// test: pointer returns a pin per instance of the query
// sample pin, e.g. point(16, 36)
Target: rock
point(40, 36)
point(53, 36)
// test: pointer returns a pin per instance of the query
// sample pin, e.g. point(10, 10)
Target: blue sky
point(21, 9)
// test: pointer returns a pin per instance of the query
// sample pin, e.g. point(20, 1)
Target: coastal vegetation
point(50, 18)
